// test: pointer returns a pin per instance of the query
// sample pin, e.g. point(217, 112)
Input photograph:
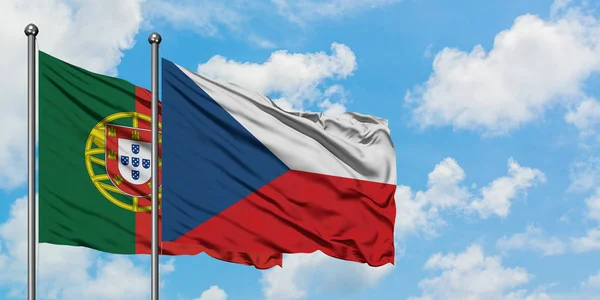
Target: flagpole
point(31, 32)
point(154, 39)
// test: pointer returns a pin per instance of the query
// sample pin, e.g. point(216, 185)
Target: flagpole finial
point(154, 38)
point(31, 29)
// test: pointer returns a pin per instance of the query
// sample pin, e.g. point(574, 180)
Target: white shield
point(134, 161)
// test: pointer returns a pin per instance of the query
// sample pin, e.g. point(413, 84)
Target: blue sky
point(492, 107)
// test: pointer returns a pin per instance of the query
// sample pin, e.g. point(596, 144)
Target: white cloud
point(335, 99)
point(213, 293)
point(297, 78)
point(167, 267)
point(443, 183)
point(414, 214)
point(71, 30)
point(472, 275)
point(203, 17)
point(419, 211)
point(496, 197)
point(304, 273)
point(585, 116)
point(261, 42)
point(524, 295)
point(593, 282)
point(590, 242)
point(428, 51)
point(532, 239)
point(66, 272)
point(593, 205)
point(585, 174)
point(215, 18)
point(588, 290)
point(534, 65)
point(330, 108)
point(559, 6)
point(307, 10)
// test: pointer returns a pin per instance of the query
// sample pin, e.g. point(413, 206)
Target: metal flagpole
point(154, 40)
point(31, 32)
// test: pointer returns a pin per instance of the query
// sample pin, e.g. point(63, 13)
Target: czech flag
point(242, 175)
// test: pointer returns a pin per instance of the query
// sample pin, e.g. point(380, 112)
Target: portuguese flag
point(94, 165)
